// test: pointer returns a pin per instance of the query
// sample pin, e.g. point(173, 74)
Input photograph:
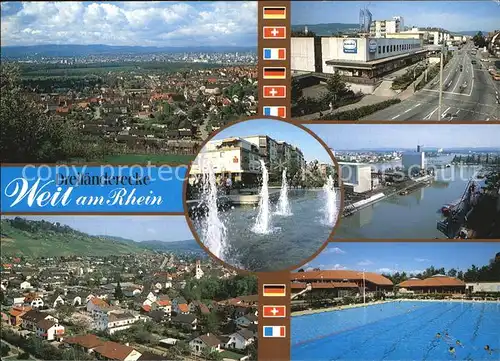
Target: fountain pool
point(290, 240)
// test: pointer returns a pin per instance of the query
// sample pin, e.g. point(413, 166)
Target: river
point(413, 216)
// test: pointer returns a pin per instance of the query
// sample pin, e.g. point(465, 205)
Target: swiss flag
point(274, 311)
point(274, 32)
point(274, 91)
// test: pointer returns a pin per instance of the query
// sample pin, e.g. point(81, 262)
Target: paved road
point(469, 94)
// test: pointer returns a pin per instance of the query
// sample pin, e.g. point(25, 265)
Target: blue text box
point(92, 189)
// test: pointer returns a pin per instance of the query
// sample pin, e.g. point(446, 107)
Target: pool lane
point(399, 331)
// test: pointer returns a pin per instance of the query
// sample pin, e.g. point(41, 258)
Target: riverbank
point(352, 208)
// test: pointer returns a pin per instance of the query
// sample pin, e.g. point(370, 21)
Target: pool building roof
point(434, 281)
point(340, 277)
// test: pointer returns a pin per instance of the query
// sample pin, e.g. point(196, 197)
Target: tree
point(29, 135)
point(337, 88)
point(479, 40)
point(118, 292)
point(296, 90)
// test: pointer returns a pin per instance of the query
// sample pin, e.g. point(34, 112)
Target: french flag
point(275, 111)
point(274, 331)
point(274, 53)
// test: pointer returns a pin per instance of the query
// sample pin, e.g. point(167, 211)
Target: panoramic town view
point(398, 301)
point(263, 196)
point(389, 60)
point(119, 288)
point(123, 82)
point(417, 181)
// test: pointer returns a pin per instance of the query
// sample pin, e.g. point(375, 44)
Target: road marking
point(430, 114)
point(395, 116)
point(437, 91)
point(442, 115)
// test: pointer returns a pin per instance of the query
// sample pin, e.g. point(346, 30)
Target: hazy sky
point(136, 228)
point(389, 257)
point(146, 23)
point(278, 130)
point(356, 136)
point(451, 15)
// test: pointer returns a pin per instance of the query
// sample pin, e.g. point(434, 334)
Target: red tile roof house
point(208, 343)
point(84, 342)
point(434, 284)
point(104, 350)
point(337, 282)
point(116, 352)
point(49, 330)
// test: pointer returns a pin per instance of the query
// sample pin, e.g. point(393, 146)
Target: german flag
point(274, 73)
point(274, 290)
point(274, 12)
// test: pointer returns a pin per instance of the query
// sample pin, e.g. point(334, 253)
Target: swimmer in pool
point(438, 335)
point(452, 350)
point(488, 349)
point(459, 343)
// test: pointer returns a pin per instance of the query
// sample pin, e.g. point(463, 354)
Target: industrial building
point(413, 162)
point(356, 177)
point(340, 283)
point(435, 284)
point(362, 61)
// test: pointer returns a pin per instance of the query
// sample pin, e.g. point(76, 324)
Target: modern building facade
point(356, 176)
point(379, 28)
point(239, 158)
point(413, 162)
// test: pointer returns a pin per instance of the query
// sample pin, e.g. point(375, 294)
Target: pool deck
point(357, 305)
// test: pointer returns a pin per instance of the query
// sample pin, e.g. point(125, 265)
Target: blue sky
point(389, 257)
point(454, 16)
point(146, 23)
point(136, 228)
point(278, 130)
point(356, 136)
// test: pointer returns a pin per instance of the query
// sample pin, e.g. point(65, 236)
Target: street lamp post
point(364, 288)
point(441, 81)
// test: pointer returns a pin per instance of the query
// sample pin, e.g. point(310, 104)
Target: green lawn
point(231, 355)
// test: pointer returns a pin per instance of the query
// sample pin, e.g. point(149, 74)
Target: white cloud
point(328, 267)
point(154, 23)
point(334, 250)
point(386, 270)
point(365, 263)
point(422, 260)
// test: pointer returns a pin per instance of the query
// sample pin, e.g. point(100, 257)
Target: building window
point(383, 49)
point(379, 49)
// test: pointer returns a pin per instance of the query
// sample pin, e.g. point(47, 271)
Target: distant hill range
point(326, 29)
point(86, 50)
point(470, 33)
point(21, 237)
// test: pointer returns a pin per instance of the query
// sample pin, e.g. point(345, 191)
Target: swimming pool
point(399, 331)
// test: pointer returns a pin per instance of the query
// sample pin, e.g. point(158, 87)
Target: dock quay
point(418, 183)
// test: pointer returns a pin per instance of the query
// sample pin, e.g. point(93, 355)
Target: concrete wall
point(358, 176)
point(483, 286)
point(302, 54)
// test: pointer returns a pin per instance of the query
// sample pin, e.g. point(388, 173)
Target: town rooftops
point(340, 275)
point(45, 324)
point(209, 339)
point(34, 316)
point(89, 341)
point(149, 356)
point(322, 285)
point(117, 316)
point(434, 281)
point(186, 319)
point(114, 351)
